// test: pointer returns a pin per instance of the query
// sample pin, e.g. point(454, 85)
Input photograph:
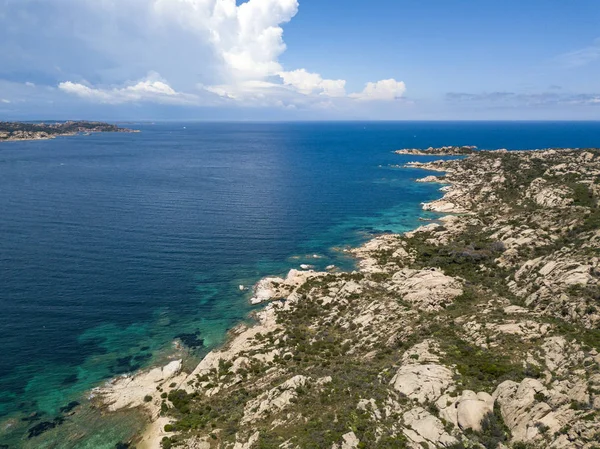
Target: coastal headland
point(16, 131)
point(478, 330)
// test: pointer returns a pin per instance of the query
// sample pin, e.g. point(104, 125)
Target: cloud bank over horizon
point(230, 59)
point(179, 52)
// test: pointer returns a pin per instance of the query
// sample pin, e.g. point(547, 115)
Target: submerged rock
point(191, 340)
point(69, 407)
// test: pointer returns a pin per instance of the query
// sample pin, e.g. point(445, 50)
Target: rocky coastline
point(441, 151)
point(478, 330)
point(18, 131)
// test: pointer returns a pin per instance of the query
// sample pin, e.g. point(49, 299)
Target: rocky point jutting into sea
point(478, 330)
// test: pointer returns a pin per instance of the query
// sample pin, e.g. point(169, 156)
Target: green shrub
point(493, 430)
point(582, 195)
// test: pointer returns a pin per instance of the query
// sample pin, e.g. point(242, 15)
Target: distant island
point(15, 131)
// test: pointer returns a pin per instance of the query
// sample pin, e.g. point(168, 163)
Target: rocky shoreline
point(17, 131)
point(479, 330)
point(441, 151)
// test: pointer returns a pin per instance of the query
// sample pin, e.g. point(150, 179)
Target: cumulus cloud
point(382, 90)
point(307, 83)
point(247, 38)
point(215, 51)
point(249, 91)
point(151, 89)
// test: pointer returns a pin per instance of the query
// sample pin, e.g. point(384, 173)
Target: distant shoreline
point(20, 131)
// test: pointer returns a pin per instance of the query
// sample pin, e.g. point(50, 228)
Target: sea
point(123, 251)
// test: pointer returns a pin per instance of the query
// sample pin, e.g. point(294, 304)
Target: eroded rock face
point(425, 352)
point(422, 382)
point(547, 195)
point(520, 409)
point(447, 205)
point(547, 284)
point(485, 334)
point(423, 427)
point(428, 290)
point(367, 253)
point(249, 443)
point(270, 288)
point(130, 391)
point(274, 400)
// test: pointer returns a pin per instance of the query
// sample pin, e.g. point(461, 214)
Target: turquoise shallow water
point(115, 244)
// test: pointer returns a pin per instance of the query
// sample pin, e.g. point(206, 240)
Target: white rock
point(130, 391)
point(422, 382)
point(472, 408)
point(429, 290)
point(274, 400)
point(519, 408)
point(350, 441)
point(248, 444)
point(423, 427)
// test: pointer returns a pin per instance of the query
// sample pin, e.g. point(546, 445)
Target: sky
point(300, 59)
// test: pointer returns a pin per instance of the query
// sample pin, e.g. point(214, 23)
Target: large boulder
point(472, 408)
point(422, 382)
point(429, 290)
point(424, 428)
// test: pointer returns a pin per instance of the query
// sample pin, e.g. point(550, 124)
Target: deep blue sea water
point(111, 245)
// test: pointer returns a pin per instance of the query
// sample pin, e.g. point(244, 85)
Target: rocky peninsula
point(441, 151)
point(16, 131)
point(478, 330)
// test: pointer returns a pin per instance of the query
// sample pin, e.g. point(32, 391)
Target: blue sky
point(300, 59)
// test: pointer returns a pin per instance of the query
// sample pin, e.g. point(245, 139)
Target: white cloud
point(5, 101)
point(150, 89)
point(248, 91)
point(30, 84)
point(333, 88)
point(231, 50)
point(307, 83)
point(247, 38)
point(384, 90)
